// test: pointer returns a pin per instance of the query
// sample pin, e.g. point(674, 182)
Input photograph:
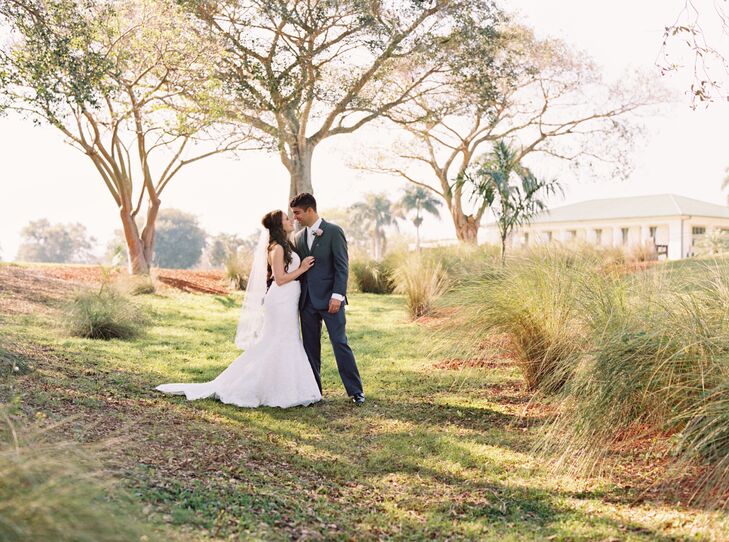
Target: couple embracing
point(292, 289)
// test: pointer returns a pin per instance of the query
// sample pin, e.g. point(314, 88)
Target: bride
point(273, 370)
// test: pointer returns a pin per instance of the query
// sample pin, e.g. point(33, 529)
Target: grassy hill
point(441, 450)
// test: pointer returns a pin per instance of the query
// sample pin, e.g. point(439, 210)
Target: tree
point(180, 240)
point(42, 241)
point(222, 246)
point(510, 85)
point(301, 71)
point(420, 200)
point(512, 192)
point(375, 214)
point(118, 80)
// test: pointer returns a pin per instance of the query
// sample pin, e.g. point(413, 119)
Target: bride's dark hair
point(273, 222)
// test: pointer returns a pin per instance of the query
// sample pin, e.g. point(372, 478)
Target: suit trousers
point(311, 321)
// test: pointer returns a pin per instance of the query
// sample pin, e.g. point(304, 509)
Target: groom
point(323, 293)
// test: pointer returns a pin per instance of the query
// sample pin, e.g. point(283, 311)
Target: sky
point(683, 152)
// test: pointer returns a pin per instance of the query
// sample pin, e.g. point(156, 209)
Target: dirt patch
point(28, 288)
point(494, 352)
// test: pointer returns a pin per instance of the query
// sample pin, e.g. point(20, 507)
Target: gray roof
point(633, 207)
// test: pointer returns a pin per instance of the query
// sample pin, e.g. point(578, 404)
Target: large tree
point(509, 86)
point(42, 241)
point(117, 79)
point(302, 71)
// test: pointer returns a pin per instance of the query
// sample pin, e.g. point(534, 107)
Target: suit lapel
point(302, 244)
point(322, 227)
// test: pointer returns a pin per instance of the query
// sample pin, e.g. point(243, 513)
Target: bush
point(104, 314)
point(645, 252)
point(53, 491)
point(373, 277)
point(422, 283)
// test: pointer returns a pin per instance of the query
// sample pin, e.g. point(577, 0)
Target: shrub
point(104, 314)
point(422, 283)
point(53, 491)
point(373, 277)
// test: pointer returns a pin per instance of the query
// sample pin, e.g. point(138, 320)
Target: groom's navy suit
point(328, 276)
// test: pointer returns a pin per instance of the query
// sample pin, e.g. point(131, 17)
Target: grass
point(434, 454)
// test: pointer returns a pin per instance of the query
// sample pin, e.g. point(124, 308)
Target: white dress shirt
point(310, 241)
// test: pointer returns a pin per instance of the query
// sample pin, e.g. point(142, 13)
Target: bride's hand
point(307, 263)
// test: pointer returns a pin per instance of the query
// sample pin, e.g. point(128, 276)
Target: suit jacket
point(331, 266)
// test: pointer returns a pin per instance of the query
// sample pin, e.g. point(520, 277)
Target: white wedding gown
point(272, 372)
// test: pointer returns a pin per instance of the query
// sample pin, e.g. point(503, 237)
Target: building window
point(624, 232)
point(571, 235)
point(698, 230)
point(598, 236)
point(652, 232)
point(549, 236)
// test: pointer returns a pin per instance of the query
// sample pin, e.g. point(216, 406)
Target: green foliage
point(59, 62)
point(104, 314)
point(54, 491)
point(42, 241)
point(512, 192)
point(179, 240)
point(372, 277)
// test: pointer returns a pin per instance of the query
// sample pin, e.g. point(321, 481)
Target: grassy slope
point(434, 454)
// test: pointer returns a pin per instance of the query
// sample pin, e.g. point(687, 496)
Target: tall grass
point(237, 269)
point(373, 277)
point(422, 283)
point(54, 492)
point(625, 355)
point(532, 300)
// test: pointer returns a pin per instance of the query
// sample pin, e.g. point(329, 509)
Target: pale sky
point(684, 151)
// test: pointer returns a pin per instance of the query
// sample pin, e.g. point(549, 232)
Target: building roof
point(633, 207)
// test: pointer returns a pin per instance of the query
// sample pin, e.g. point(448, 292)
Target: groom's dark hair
point(303, 201)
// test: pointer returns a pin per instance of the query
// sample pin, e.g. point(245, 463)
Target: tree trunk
point(503, 251)
point(300, 169)
point(138, 262)
point(466, 227)
point(417, 238)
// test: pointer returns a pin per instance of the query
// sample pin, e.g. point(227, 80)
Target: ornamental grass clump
point(531, 300)
point(373, 277)
point(658, 365)
point(104, 314)
point(422, 283)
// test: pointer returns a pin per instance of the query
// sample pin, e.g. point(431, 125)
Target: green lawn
point(434, 454)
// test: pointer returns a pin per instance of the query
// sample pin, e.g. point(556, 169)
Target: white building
point(673, 223)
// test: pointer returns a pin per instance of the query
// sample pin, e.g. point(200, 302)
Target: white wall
point(676, 232)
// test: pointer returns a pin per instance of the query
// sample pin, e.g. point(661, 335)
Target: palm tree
point(418, 199)
point(510, 189)
point(375, 214)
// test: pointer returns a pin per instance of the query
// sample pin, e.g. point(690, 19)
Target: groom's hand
point(334, 306)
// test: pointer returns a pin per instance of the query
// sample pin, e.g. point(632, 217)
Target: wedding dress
point(274, 371)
